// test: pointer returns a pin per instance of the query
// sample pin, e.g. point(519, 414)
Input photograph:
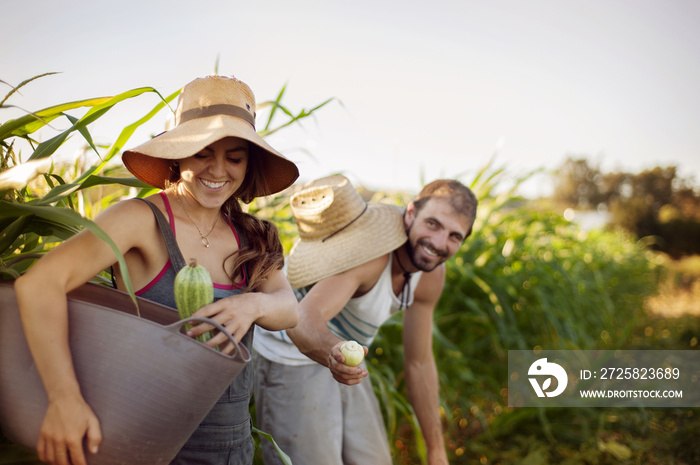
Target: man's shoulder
point(369, 272)
point(359, 279)
point(368, 269)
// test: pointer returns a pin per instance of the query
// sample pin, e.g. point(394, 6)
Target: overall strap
point(176, 258)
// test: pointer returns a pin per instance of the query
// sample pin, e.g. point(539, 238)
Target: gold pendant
point(205, 241)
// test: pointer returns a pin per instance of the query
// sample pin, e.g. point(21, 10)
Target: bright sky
point(428, 89)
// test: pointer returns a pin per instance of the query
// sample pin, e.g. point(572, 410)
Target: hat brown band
point(344, 227)
point(214, 110)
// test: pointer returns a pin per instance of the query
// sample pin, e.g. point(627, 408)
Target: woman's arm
point(68, 418)
point(41, 295)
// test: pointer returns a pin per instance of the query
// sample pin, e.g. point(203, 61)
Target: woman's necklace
point(205, 241)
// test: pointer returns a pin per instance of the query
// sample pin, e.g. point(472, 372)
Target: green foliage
point(277, 209)
point(33, 219)
point(283, 456)
point(276, 105)
point(525, 278)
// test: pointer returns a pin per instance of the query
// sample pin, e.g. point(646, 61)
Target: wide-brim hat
point(208, 110)
point(338, 230)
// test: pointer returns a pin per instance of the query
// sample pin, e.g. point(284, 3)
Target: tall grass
point(525, 279)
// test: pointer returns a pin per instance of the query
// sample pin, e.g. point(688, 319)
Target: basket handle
point(239, 354)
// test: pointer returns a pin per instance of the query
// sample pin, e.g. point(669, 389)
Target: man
point(353, 269)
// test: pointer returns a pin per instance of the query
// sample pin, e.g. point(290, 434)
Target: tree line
point(656, 203)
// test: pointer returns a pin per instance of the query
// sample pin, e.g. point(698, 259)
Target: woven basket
point(149, 385)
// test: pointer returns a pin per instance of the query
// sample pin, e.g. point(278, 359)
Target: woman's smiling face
point(216, 172)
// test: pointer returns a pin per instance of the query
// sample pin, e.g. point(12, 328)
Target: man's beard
point(411, 250)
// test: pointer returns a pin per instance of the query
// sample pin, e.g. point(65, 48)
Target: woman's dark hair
point(263, 253)
point(254, 180)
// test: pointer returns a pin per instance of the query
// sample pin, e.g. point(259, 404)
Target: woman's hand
point(272, 306)
point(236, 313)
point(66, 424)
point(343, 373)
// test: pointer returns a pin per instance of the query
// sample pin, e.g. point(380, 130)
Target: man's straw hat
point(338, 230)
point(208, 110)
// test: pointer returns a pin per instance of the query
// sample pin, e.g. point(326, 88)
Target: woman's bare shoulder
point(130, 210)
point(129, 217)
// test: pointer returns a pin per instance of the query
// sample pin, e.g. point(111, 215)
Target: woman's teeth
point(213, 185)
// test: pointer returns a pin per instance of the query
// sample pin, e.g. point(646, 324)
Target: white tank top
point(359, 320)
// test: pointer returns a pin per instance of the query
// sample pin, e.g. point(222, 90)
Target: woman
point(210, 160)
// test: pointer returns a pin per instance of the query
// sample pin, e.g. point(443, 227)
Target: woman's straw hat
point(338, 230)
point(208, 110)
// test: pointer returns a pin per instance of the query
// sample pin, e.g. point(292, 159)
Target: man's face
point(435, 233)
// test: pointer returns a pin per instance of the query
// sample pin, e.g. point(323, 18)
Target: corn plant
point(42, 204)
point(32, 219)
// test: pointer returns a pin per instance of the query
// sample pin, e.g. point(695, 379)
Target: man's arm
point(324, 301)
point(419, 363)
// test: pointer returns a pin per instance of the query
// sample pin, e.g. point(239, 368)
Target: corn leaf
point(60, 192)
point(284, 457)
point(11, 232)
point(32, 122)
point(48, 147)
point(127, 132)
point(67, 216)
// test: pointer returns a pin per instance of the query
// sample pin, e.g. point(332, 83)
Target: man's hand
point(343, 373)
